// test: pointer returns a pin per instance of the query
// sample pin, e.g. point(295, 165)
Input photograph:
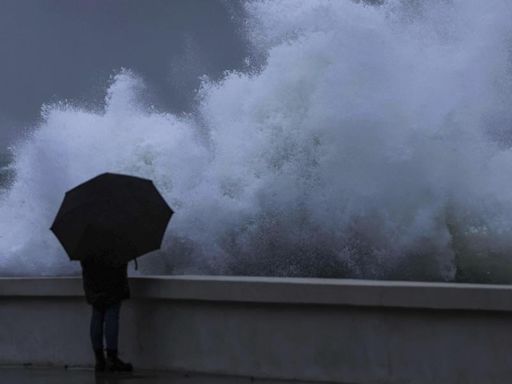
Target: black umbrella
point(116, 215)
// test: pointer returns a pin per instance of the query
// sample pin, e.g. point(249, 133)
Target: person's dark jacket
point(104, 284)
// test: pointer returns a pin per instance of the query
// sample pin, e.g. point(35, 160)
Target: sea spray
point(373, 141)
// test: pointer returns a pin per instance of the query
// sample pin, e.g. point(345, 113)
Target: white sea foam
point(373, 142)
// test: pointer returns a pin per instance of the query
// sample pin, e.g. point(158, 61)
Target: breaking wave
point(373, 141)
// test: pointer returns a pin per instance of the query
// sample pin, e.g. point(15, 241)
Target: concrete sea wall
point(347, 331)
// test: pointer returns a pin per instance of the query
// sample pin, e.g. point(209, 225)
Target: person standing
point(106, 286)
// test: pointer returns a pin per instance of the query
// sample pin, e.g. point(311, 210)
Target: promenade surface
point(19, 375)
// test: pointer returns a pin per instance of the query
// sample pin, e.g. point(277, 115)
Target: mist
point(350, 140)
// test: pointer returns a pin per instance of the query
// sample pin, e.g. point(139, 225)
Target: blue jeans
point(108, 318)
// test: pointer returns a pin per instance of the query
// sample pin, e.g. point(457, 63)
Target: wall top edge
point(277, 290)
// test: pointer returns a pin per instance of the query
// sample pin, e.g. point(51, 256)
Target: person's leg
point(112, 326)
point(96, 332)
point(112, 336)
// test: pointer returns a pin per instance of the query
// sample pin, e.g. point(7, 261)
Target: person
point(106, 286)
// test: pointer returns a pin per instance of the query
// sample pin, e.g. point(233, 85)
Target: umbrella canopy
point(120, 216)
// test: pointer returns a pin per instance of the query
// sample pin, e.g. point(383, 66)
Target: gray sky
point(67, 49)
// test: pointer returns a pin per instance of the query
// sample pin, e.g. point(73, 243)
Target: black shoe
point(115, 364)
point(100, 361)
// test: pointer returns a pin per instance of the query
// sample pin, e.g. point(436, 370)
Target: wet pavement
point(18, 375)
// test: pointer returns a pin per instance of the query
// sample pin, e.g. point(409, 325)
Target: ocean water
point(368, 141)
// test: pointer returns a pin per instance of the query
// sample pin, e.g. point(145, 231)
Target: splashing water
point(374, 141)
